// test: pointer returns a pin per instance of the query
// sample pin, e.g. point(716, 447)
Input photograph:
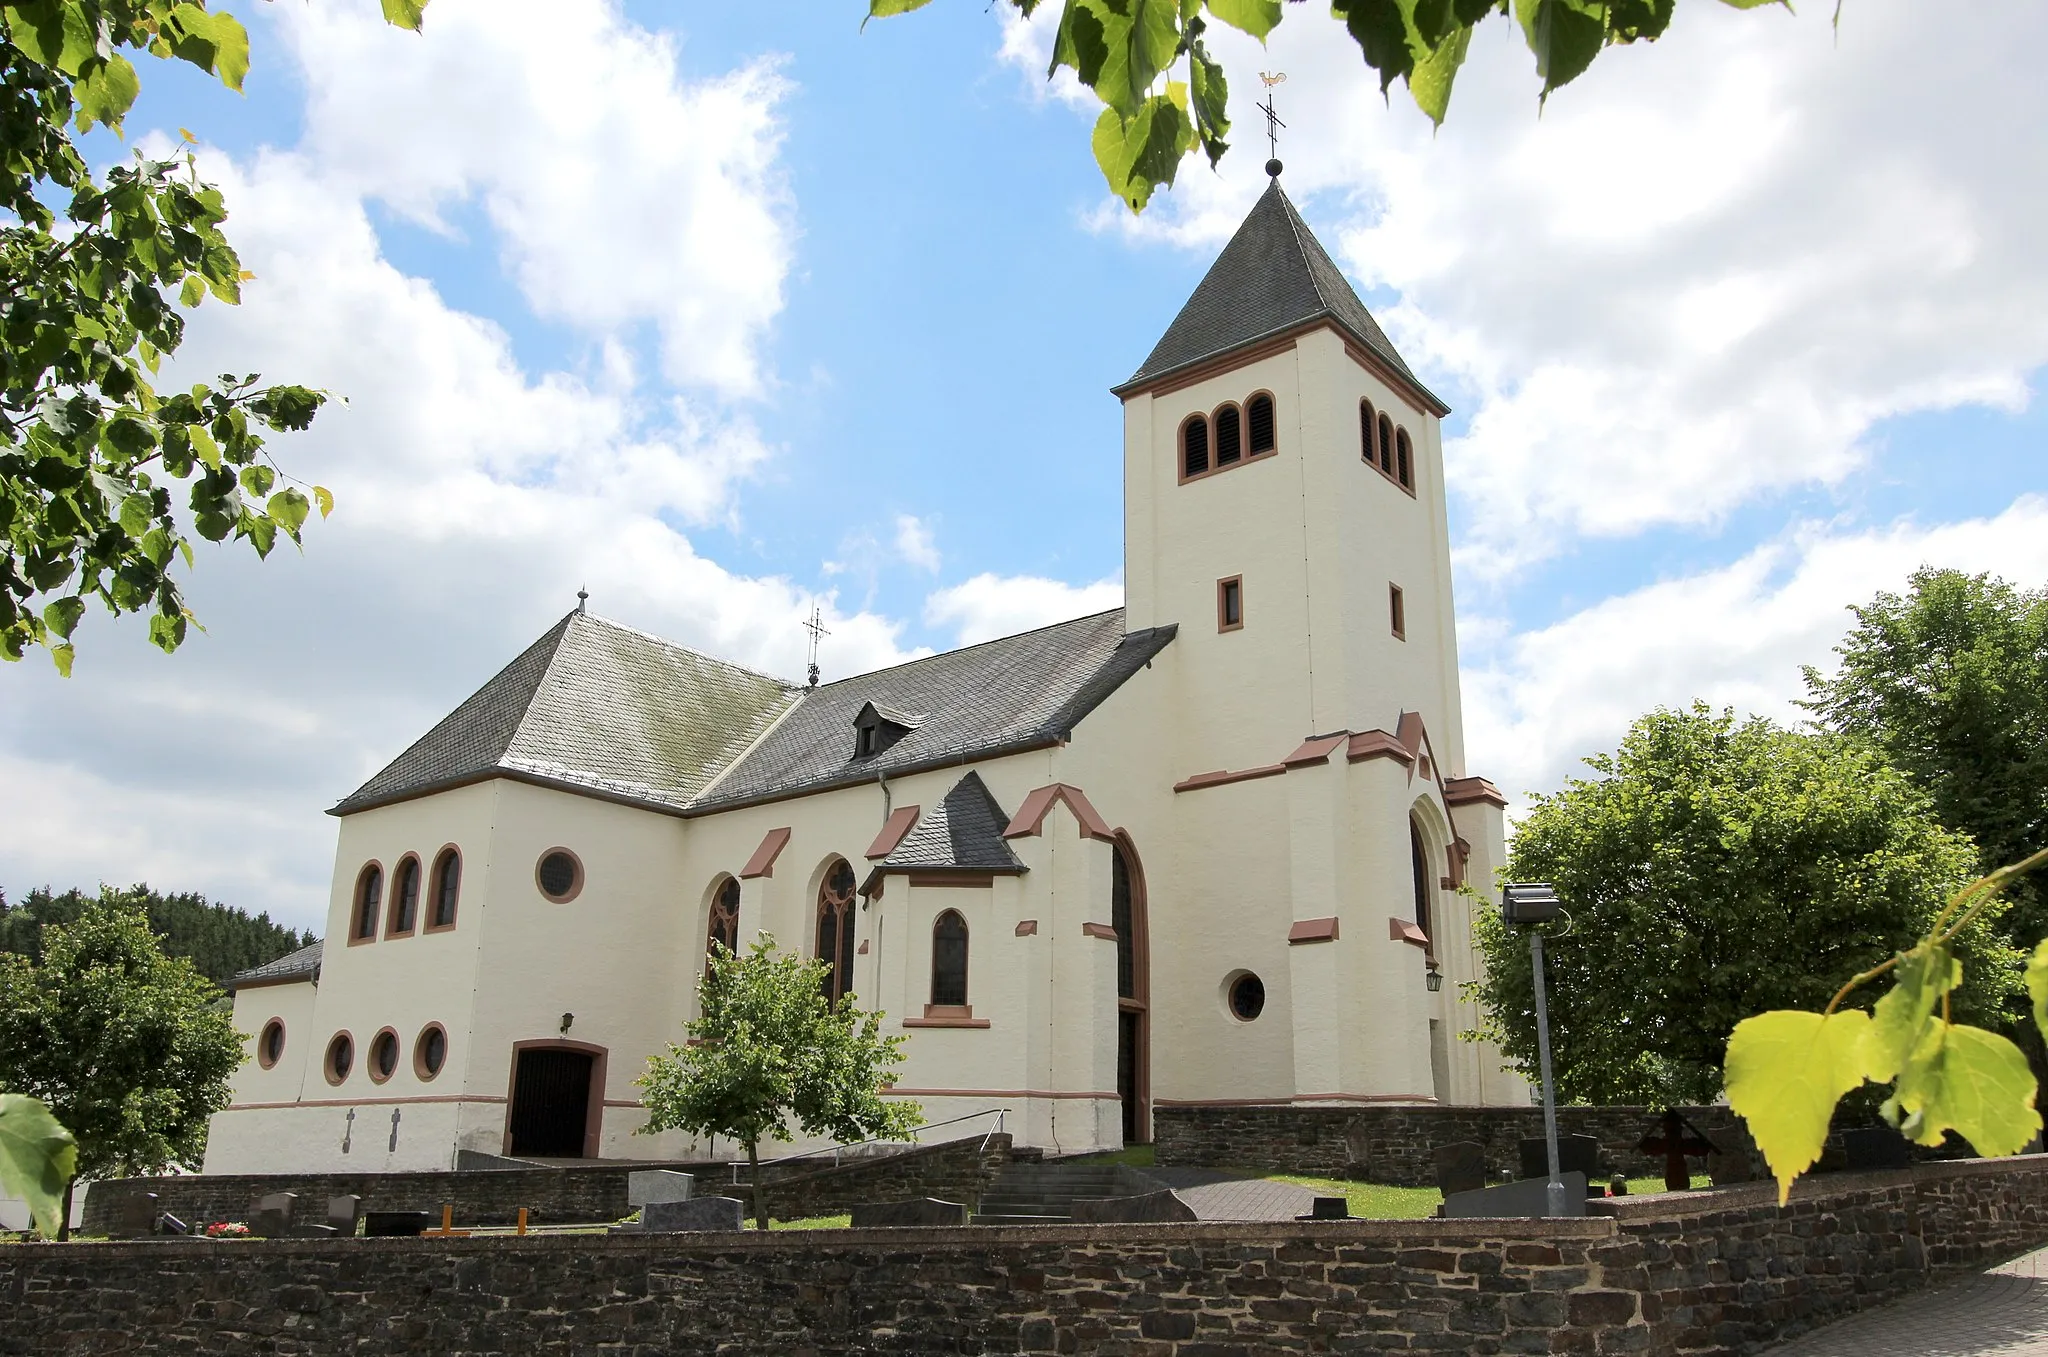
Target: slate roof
point(1020, 692)
point(303, 964)
point(1273, 276)
point(596, 707)
point(964, 832)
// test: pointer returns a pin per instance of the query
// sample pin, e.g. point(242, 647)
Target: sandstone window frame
point(381, 1057)
point(724, 908)
point(1230, 603)
point(339, 1059)
point(402, 910)
point(426, 1066)
point(366, 904)
point(576, 881)
point(950, 958)
point(1200, 438)
point(444, 888)
point(270, 1043)
point(835, 918)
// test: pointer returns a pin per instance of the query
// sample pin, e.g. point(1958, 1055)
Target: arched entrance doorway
point(557, 1103)
point(1133, 1025)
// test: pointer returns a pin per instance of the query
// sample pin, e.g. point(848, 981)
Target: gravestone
point(915, 1211)
point(697, 1213)
point(1146, 1208)
point(395, 1224)
point(1529, 1197)
point(1329, 1208)
point(645, 1186)
point(1868, 1148)
point(343, 1213)
point(137, 1216)
point(1460, 1166)
point(1575, 1154)
point(270, 1217)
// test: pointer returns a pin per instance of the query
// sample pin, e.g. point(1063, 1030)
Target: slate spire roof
point(964, 832)
point(1273, 276)
point(599, 708)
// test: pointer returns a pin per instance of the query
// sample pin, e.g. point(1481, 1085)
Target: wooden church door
point(1133, 1043)
point(551, 1092)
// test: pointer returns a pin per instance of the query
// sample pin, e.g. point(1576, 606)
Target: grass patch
point(1370, 1201)
point(812, 1223)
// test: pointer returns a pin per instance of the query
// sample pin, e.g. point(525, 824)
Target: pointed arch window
point(1229, 435)
point(835, 929)
point(445, 890)
point(369, 895)
point(1368, 442)
point(405, 898)
point(1194, 447)
point(1258, 418)
point(949, 961)
point(1420, 865)
point(724, 930)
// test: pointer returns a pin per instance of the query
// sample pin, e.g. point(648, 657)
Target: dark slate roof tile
point(1272, 276)
point(1020, 692)
point(303, 964)
point(964, 832)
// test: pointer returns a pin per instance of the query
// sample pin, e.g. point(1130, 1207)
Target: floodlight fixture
point(1529, 902)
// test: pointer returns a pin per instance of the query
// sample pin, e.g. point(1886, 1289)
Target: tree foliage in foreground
point(1712, 870)
point(768, 1051)
point(219, 940)
point(1950, 680)
point(1164, 97)
point(95, 272)
point(128, 1048)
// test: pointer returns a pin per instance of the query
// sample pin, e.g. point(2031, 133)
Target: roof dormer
point(876, 727)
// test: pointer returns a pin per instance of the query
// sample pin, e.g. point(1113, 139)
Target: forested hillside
point(220, 939)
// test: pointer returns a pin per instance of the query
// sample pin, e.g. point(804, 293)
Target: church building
point(1201, 850)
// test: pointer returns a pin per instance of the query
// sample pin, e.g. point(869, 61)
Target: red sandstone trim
point(1401, 930)
point(1377, 744)
point(1027, 928)
point(1103, 931)
point(893, 831)
point(1473, 791)
point(763, 861)
point(1312, 930)
point(1030, 817)
point(1316, 749)
point(1220, 778)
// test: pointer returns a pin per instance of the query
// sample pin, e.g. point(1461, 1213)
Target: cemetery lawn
point(812, 1223)
point(1370, 1201)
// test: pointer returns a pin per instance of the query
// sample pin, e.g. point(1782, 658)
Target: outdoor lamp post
point(1534, 902)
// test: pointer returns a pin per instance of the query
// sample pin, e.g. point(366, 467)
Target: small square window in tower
point(1397, 612)
point(876, 727)
point(1230, 603)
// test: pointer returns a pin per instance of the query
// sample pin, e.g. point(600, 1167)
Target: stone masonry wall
point(953, 1169)
point(1394, 1144)
point(1703, 1275)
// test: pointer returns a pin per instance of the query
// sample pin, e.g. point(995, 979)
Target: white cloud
point(1698, 278)
point(991, 605)
point(1539, 701)
point(621, 194)
point(914, 542)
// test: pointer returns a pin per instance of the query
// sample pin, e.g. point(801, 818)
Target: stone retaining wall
point(1394, 1144)
point(953, 1169)
point(1702, 1275)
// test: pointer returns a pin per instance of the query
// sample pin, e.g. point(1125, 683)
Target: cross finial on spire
point(816, 627)
point(1273, 123)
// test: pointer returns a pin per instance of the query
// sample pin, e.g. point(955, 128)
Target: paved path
point(2000, 1313)
point(1217, 1195)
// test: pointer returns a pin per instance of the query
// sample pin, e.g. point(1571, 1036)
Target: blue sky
point(727, 310)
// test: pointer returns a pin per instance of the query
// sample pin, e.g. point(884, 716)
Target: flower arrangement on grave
point(227, 1229)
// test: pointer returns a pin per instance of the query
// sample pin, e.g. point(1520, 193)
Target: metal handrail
point(1001, 1115)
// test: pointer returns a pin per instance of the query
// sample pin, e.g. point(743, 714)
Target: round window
point(1247, 997)
point(270, 1046)
point(559, 875)
point(383, 1055)
point(430, 1052)
point(341, 1057)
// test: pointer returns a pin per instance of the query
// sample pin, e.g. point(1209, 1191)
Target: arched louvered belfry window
point(1404, 464)
point(725, 918)
point(1368, 448)
point(1420, 854)
point(949, 961)
point(405, 898)
point(369, 894)
point(1229, 435)
point(1386, 444)
point(1194, 447)
point(1258, 416)
point(835, 929)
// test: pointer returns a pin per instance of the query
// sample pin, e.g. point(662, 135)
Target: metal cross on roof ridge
point(1273, 123)
point(816, 627)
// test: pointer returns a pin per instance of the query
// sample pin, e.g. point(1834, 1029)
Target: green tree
point(95, 271)
point(1157, 111)
point(219, 940)
point(770, 1050)
point(1950, 680)
point(129, 1048)
point(1711, 870)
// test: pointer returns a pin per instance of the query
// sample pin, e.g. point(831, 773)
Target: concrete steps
point(1044, 1194)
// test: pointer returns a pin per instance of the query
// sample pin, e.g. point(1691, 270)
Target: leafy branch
point(1123, 49)
point(1787, 1069)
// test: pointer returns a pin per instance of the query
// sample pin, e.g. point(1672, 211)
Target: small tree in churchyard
point(130, 1049)
point(769, 1049)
